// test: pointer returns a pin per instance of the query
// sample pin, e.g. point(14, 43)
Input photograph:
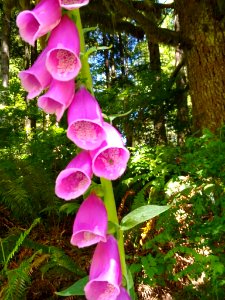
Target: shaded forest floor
point(44, 284)
point(179, 254)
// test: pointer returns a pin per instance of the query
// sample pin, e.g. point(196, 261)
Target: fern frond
point(14, 196)
point(40, 260)
point(17, 190)
point(20, 242)
point(60, 258)
point(18, 280)
point(51, 256)
point(47, 266)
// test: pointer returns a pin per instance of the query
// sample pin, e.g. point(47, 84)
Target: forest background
point(161, 82)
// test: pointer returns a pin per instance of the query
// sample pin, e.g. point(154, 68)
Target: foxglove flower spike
point(36, 78)
point(123, 294)
point(58, 98)
point(110, 159)
point(105, 273)
point(90, 225)
point(85, 122)
point(37, 22)
point(73, 4)
point(63, 61)
point(73, 181)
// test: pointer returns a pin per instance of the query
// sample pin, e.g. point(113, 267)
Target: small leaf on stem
point(141, 215)
point(76, 289)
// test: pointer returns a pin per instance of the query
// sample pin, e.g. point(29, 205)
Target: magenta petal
point(85, 122)
point(105, 272)
point(90, 225)
point(36, 78)
point(73, 4)
point(37, 22)
point(58, 97)
point(123, 294)
point(110, 159)
point(73, 181)
point(64, 48)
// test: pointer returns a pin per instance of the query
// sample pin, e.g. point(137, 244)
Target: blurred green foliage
point(185, 245)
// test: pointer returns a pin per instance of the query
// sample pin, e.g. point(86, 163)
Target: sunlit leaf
point(141, 215)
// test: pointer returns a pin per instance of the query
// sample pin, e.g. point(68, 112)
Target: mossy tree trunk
point(5, 37)
point(182, 120)
point(203, 24)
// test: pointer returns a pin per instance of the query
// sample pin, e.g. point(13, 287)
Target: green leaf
point(88, 29)
point(69, 208)
point(130, 285)
point(96, 48)
point(141, 215)
point(76, 289)
point(113, 117)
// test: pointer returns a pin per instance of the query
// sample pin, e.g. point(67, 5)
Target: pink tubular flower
point(58, 97)
point(90, 225)
point(73, 181)
point(123, 294)
point(37, 22)
point(110, 159)
point(105, 272)
point(64, 48)
point(36, 78)
point(85, 123)
point(73, 4)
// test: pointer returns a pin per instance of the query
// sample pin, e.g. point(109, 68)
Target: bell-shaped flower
point(105, 273)
point(36, 78)
point(73, 181)
point(37, 22)
point(58, 98)
point(123, 294)
point(63, 61)
point(73, 4)
point(110, 159)
point(90, 225)
point(85, 122)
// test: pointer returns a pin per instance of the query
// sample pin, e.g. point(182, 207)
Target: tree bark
point(106, 61)
point(112, 59)
point(5, 45)
point(201, 23)
point(122, 56)
point(181, 98)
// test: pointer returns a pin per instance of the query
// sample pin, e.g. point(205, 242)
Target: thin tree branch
point(107, 24)
point(151, 6)
point(152, 31)
point(177, 69)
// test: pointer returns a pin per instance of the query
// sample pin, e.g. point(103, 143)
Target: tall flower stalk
point(102, 154)
point(109, 199)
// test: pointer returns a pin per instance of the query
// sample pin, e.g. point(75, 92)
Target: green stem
point(122, 254)
point(3, 252)
point(85, 70)
point(110, 205)
point(109, 200)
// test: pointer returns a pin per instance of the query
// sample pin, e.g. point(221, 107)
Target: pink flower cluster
point(103, 152)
